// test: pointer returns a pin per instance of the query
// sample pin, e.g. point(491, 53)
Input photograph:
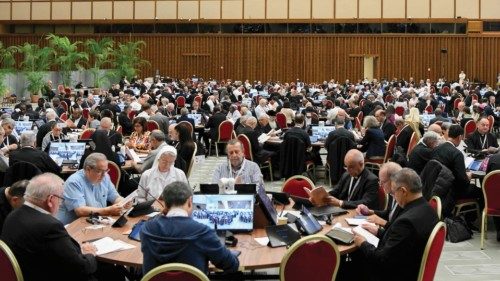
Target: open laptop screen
point(227, 211)
point(69, 152)
point(22, 126)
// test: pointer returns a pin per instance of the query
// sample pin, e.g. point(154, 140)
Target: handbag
point(457, 229)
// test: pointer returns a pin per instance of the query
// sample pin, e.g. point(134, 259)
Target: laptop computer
point(316, 211)
point(267, 206)
point(22, 126)
point(213, 188)
point(196, 117)
point(66, 153)
point(321, 132)
point(142, 209)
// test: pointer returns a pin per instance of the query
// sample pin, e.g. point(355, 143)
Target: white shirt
point(29, 204)
point(155, 181)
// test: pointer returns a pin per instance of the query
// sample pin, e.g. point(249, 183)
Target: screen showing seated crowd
point(321, 132)
point(227, 211)
point(196, 117)
point(22, 126)
point(66, 152)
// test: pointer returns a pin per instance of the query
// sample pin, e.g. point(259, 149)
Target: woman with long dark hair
point(185, 144)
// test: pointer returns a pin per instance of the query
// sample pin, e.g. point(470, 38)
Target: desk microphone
point(141, 187)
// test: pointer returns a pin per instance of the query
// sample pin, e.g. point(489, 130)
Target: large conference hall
point(287, 140)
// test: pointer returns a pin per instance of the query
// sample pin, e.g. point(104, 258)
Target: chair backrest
point(86, 113)
point(383, 198)
point(20, 170)
point(64, 105)
point(435, 203)
point(87, 134)
point(491, 119)
point(114, 173)
point(191, 163)
point(491, 191)
point(432, 253)
point(469, 128)
point(152, 125)
point(456, 102)
point(64, 116)
point(295, 186)
point(389, 99)
point(474, 97)
point(198, 99)
point(314, 257)
point(8, 264)
point(445, 89)
point(246, 146)
point(281, 120)
point(226, 131)
point(389, 148)
point(189, 126)
point(400, 110)
point(429, 109)
point(413, 142)
point(360, 115)
point(357, 123)
point(180, 101)
point(132, 114)
point(119, 129)
point(362, 102)
point(175, 272)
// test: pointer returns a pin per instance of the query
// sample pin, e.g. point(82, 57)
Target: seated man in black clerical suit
point(482, 141)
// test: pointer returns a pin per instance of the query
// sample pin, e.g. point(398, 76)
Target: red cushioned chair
point(491, 119)
point(191, 163)
point(383, 198)
point(114, 173)
point(432, 253)
point(445, 90)
point(456, 102)
point(86, 113)
point(429, 109)
point(9, 267)
point(400, 111)
point(413, 142)
point(64, 105)
point(295, 186)
point(389, 99)
point(132, 114)
point(357, 123)
point(474, 97)
point(64, 116)
point(87, 134)
point(374, 163)
point(360, 115)
point(491, 192)
point(198, 99)
point(249, 154)
point(435, 203)
point(226, 133)
point(175, 272)
point(188, 125)
point(362, 102)
point(313, 257)
point(469, 128)
point(152, 125)
point(281, 120)
point(180, 102)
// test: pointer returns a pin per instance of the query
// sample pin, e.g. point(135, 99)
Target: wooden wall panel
point(311, 58)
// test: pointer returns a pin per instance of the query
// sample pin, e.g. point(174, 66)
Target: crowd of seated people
point(368, 113)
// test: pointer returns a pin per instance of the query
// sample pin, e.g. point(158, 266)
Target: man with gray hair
point(115, 137)
point(339, 132)
point(88, 191)
point(162, 120)
point(401, 246)
point(176, 237)
point(157, 142)
point(41, 244)
point(422, 152)
point(28, 153)
point(11, 138)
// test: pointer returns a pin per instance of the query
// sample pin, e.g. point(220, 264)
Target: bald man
point(435, 128)
point(356, 186)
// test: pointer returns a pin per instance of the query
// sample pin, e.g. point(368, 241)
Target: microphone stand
point(141, 187)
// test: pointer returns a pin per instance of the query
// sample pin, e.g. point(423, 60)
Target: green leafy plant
point(101, 52)
point(7, 62)
point(127, 59)
point(67, 58)
point(36, 62)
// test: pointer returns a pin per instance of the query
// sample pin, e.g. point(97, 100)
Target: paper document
point(263, 138)
point(468, 161)
point(132, 155)
point(108, 245)
point(352, 221)
point(262, 240)
point(129, 198)
point(370, 238)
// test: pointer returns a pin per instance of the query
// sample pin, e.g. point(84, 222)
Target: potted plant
point(36, 62)
point(7, 62)
point(127, 59)
point(101, 52)
point(67, 56)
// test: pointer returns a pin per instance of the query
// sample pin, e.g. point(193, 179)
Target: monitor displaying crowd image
point(321, 132)
point(227, 211)
point(61, 151)
point(22, 126)
point(196, 117)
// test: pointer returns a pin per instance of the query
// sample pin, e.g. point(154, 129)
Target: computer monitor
point(69, 152)
point(22, 126)
point(322, 131)
point(213, 188)
point(267, 206)
point(224, 211)
point(196, 117)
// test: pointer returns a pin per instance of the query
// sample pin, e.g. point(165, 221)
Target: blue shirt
point(79, 192)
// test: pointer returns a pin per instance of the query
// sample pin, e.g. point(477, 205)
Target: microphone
point(141, 187)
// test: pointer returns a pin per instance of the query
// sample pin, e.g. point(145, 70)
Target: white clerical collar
point(177, 212)
point(29, 204)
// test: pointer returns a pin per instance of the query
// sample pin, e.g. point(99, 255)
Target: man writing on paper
point(89, 190)
point(41, 244)
point(356, 186)
point(399, 252)
point(175, 237)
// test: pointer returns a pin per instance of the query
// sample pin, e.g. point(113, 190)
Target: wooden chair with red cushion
point(362, 102)
point(197, 99)
point(413, 142)
point(249, 154)
point(64, 105)
point(152, 125)
point(180, 102)
point(175, 272)
point(86, 113)
point(314, 257)
point(432, 252)
point(491, 119)
point(400, 111)
point(226, 133)
point(383, 198)
point(64, 116)
point(114, 173)
point(361, 115)
point(429, 109)
point(357, 123)
point(281, 120)
point(10, 269)
point(389, 99)
point(87, 134)
point(295, 186)
point(456, 102)
point(435, 203)
point(469, 128)
point(491, 193)
point(445, 90)
point(132, 114)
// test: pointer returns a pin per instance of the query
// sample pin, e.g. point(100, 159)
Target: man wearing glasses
point(41, 244)
point(89, 190)
point(401, 246)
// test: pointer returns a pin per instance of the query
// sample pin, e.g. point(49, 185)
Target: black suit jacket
point(493, 163)
point(36, 157)
point(402, 244)
point(475, 142)
point(403, 139)
point(389, 129)
point(42, 131)
point(187, 119)
point(43, 247)
point(337, 133)
point(448, 155)
point(126, 123)
point(438, 118)
point(419, 156)
point(366, 191)
point(254, 140)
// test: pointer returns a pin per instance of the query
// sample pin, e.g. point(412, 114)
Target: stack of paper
point(263, 138)
point(370, 238)
point(108, 245)
point(355, 221)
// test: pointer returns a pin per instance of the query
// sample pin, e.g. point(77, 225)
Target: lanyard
point(352, 188)
point(484, 142)
point(239, 171)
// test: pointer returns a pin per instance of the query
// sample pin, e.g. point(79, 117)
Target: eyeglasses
point(394, 191)
point(99, 171)
point(60, 197)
